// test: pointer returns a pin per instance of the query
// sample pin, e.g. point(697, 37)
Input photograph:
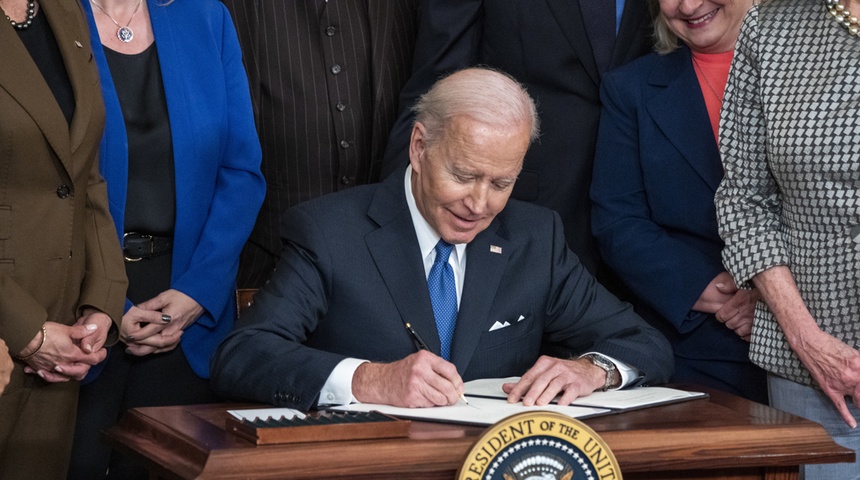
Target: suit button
point(344, 180)
point(63, 191)
point(340, 106)
point(335, 69)
point(330, 31)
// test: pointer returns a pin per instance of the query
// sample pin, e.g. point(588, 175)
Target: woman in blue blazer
point(656, 170)
point(181, 159)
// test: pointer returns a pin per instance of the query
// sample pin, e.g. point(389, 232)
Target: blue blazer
point(656, 170)
point(351, 274)
point(219, 187)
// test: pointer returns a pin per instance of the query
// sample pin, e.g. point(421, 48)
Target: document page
point(629, 399)
point(479, 411)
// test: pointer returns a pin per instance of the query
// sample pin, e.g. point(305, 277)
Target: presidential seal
point(540, 445)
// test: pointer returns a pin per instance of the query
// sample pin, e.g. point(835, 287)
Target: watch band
point(607, 366)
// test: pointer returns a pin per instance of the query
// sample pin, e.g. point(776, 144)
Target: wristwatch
point(606, 365)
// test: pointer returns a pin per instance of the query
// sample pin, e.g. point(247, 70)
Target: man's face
point(464, 179)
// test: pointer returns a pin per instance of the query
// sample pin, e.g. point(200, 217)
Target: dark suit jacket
point(293, 111)
point(58, 247)
point(656, 170)
point(543, 44)
point(351, 275)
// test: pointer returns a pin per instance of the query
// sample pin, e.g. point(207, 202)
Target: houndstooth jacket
point(790, 142)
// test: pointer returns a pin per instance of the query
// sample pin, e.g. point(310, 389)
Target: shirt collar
point(427, 236)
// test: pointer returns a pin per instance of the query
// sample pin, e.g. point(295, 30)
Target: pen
point(419, 342)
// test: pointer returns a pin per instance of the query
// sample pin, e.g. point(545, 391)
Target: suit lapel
point(394, 248)
point(21, 78)
point(569, 18)
point(484, 269)
point(674, 83)
point(79, 65)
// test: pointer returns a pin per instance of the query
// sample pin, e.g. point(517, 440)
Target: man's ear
point(417, 146)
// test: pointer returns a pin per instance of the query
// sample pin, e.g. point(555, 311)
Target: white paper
point(628, 399)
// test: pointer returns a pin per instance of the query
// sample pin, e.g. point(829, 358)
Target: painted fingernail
point(721, 285)
point(91, 327)
point(166, 318)
point(58, 369)
point(41, 374)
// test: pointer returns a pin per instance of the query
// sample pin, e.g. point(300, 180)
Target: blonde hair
point(665, 40)
point(489, 96)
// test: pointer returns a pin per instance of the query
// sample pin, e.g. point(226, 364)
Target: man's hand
point(552, 376)
point(419, 380)
point(168, 315)
point(6, 366)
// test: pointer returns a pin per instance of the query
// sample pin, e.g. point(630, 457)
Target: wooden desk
point(724, 437)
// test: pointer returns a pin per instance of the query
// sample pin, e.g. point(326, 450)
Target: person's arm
point(449, 36)
point(834, 365)
point(239, 188)
point(582, 317)
point(669, 274)
point(59, 353)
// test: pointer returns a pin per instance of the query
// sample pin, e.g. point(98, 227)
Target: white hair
point(490, 97)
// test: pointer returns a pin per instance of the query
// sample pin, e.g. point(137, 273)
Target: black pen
point(419, 342)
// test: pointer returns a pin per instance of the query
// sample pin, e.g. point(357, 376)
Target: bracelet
point(42, 344)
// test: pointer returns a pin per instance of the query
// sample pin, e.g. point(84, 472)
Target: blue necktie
point(443, 296)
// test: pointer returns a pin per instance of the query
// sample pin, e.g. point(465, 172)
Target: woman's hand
point(156, 325)
point(6, 366)
point(737, 314)
point(60, 353)
point(834, 365)
point(718, 292)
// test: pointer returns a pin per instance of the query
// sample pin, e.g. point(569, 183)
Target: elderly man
point(398, 292)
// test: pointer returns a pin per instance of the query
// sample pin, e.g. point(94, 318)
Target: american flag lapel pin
point(78, 44)
point(495, 249)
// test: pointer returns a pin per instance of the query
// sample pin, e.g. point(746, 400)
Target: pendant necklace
point(124, 33)
point(707, 82)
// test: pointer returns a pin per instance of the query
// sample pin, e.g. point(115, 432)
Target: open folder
point(488, 404)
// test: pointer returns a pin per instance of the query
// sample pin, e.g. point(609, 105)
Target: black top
point(151, 194)
point(42, 45)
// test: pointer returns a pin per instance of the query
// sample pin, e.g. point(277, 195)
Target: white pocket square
point(521, 318)
point(499, 326)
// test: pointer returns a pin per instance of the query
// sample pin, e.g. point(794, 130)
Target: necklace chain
point(31, 14)
point(843, 16)
point(124, 33)
point(707, 82)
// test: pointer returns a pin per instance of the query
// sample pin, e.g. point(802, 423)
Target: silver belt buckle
point(142, 235)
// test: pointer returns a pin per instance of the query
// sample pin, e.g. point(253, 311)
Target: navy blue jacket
point(351, 274)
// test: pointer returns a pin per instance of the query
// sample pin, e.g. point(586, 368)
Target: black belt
point(139, 246)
